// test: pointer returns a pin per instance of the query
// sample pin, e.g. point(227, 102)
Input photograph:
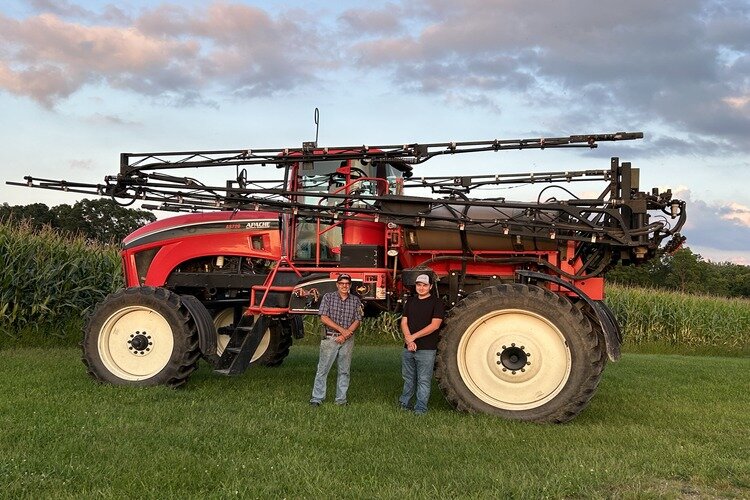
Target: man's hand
point(411, 346)
point(343, 336)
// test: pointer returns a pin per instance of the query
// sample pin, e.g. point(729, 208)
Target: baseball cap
point(422, 278)
point(343, 277)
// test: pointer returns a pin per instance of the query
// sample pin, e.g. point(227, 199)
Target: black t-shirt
point(419, 313)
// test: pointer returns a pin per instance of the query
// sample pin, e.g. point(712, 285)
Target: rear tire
point(520, 352)
point(141, 336)
point(273, 347)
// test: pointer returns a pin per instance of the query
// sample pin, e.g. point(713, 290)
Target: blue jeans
point(331, 351)
point(416, 369)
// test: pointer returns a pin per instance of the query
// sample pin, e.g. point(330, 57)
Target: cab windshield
point(317, 180)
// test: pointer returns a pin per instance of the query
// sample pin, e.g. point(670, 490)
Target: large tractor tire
point(273, 347)
point(520, 352)
point(141, 336)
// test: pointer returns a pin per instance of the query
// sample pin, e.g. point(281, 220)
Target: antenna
point(309, 146)
point(317, 125)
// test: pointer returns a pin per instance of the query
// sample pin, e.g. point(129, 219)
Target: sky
point(83, 81)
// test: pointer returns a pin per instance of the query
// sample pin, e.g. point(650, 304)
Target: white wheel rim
point(135, 343)
point(225, 318)
point(540, 366)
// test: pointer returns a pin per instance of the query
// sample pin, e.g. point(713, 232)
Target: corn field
point(383, 328)
point(49, 280)
point(654, 316)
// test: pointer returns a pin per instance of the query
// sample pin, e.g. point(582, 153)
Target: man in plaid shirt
point(341, 313)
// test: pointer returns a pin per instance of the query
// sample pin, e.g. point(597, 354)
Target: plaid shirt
point(342, 312)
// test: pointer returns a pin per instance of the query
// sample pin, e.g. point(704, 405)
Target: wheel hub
point(513, 358)
point(140, 343)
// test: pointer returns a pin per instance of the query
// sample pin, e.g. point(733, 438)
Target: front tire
point(520, 352)
point(141, 336)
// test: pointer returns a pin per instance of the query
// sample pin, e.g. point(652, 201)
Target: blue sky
point(82, 81)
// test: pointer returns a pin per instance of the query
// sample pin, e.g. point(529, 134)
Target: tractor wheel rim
point(135, 343)
point(226, 318)
point(514, 359)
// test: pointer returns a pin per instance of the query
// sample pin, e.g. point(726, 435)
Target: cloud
point(104, 119)
point(680, 64)
point(679, 67)
point(61, 8)
point(168, 52)
point(735, 212)
point(81, 164)
point(387, 20)
point(720, 229)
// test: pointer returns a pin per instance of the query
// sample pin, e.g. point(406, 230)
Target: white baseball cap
point(422, 278)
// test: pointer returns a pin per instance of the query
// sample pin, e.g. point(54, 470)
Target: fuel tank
point(443, 233)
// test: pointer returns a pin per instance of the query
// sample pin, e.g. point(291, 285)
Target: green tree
point(651, 274)
point(38, 214)
point(100, 219)
point(688, 272)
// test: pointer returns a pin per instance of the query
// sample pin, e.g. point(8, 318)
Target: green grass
point(660, 426)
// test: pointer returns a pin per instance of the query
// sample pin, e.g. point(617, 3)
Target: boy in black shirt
point(423, 315)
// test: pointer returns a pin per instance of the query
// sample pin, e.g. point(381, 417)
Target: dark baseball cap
point(343, 277)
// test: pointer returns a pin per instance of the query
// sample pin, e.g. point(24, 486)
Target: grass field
point(660, 426)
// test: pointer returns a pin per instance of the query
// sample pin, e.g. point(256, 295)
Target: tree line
point(685, 271)
point(100, 220)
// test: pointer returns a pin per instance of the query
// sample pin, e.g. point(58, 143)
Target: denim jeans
point(331, 351)
point(416, 369)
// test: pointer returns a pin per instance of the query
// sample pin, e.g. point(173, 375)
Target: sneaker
point(342, 403)
point(314, 404)
point(402, 406)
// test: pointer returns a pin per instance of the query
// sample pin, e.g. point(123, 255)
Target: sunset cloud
point(736, 213)
point(682, 64)
point(169, 50)
point(717, 226)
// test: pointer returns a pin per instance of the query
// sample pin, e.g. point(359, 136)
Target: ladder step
point(236, 359)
